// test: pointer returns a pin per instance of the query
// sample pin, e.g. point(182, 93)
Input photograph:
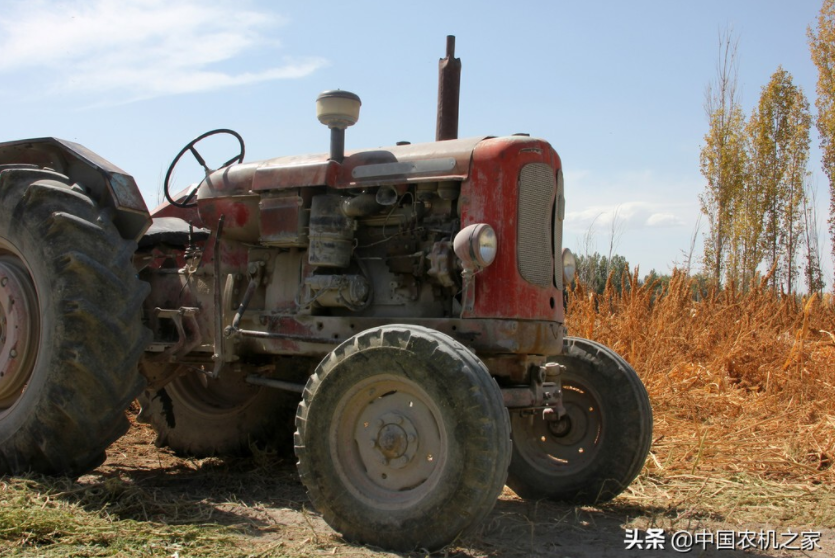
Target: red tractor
point(400, 310)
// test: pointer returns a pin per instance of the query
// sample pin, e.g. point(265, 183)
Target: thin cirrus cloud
point(634, 200)
point(630, 215)
point(139, 49)
point(661, 220)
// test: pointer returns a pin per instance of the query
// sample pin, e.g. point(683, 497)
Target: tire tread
point(92, 375)
point(478, 397)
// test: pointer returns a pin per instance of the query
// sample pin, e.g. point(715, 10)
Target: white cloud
point(628, 215)
point(133, 49)
point(661, 220)
point(635, 200)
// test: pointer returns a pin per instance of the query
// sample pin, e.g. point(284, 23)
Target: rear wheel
point(402, 438)
point(70, 326)
point(599, 446)
point(198, 416)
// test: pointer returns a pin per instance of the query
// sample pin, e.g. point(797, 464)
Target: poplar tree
point(812, 269)
point(722, 158)
point(779, 151)
point(822, 47)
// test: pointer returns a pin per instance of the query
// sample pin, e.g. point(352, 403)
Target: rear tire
point(197, 416)
point(599, 446)
point(71, 332)
point(402, 438)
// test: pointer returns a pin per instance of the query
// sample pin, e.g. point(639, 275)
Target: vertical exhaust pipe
point(449, 88)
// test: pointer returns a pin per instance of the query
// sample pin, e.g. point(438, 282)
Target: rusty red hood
point(421, 162)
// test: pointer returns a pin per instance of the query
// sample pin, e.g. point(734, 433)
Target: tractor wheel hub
point(19, 327)
point(396, 440)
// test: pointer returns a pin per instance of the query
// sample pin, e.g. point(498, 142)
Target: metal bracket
point(187, 340)
point(218, 355)
point(550, 377)
point(544, 392)
point(256, 272)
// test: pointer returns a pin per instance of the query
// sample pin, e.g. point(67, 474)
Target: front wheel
point(402, 438)
point(599, 446)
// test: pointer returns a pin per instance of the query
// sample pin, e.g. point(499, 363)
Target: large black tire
point(71, 331)
point(600, 446)
point(200, 417)
point(402, 438)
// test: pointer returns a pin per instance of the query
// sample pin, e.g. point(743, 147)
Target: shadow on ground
point(263, 500)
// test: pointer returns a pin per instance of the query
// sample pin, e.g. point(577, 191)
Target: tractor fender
point(108, 185)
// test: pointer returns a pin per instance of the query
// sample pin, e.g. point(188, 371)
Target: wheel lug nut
point(13, 353)
point(412, 438)
point(4, 281)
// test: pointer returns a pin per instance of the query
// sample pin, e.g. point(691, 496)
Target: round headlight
point(569, 267)
point(476, 246)
point(488, 244)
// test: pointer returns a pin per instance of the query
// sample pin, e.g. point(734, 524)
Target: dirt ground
point(263, 499)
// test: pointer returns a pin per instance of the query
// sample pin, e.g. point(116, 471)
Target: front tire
point(70, 326)
point(402, 438)
point(600, 445)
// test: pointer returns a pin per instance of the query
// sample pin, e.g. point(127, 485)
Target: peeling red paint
point(490, 196)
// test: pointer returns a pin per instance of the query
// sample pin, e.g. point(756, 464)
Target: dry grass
point(742, 385)
point(58, 517)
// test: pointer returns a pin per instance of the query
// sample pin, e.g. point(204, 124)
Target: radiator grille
point(535, 239)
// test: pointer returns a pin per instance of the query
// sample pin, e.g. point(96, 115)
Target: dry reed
point(742, 382)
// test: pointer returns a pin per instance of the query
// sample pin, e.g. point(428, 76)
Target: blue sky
point(616, 87)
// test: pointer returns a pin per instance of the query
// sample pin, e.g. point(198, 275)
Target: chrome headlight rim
point(476, 246)
point(569, 267)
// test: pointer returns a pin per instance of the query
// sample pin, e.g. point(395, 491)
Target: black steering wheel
point(239, 158)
